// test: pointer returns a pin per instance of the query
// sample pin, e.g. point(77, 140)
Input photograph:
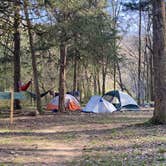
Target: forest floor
point(82, 139)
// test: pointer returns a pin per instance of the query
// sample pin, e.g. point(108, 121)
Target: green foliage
point(84, 26)
point(135, 5)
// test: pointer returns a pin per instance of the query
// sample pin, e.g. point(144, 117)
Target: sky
point(128, 21)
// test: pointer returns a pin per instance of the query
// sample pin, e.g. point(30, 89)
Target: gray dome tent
point(121, 100)
point(97, 104)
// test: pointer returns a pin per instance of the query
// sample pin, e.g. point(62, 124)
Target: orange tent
point(71, 103)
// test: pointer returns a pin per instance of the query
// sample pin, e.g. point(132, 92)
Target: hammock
point(34, 96)
point(25, 86)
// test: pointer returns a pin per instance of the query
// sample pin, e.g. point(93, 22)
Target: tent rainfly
point(71, 103)
point(97, 104)
point(121, 100)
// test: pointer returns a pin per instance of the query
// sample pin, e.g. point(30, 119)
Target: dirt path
point(82, 139)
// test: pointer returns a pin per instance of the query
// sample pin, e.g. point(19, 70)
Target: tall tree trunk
point(151, 78)
point(88, 84)
point(34, 66)
point(5, 53)
point(115, 13)
point(114, 73)
point(62, 77)
point(103, 79)
point(98, 82)
point(16, 50)
point(75, 74)
point(83, 89)
point(159, 48)
point(139, 57)
point(144, 75)
point(147, 79)
point(150, 71)
point(94, 80)
point(78, 81)
point(120, 77)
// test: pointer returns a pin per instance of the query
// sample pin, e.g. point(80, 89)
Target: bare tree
point(139, 52)
point(159, 49)
point(16, 49)
point(62, 77)
point(34, 66)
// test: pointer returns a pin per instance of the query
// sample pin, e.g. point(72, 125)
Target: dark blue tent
point(121, 100)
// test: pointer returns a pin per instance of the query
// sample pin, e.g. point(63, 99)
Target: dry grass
point(122, 138)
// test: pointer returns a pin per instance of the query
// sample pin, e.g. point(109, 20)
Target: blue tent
point(121, 100)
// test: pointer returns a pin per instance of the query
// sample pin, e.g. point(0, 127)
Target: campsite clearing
point(120, 138)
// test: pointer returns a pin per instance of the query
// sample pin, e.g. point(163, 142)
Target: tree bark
point(150, 59)
point(120, 77)
point(98, 82)
point(139, 57)
point(16, 50)
point(103, 79)
point(159, 48)
point(151, 78)
point(75, 74)
point(62, 77)
point(78, 81)
point(34, 66)
point(147, 92)
point(114, 73)
point(94, 81)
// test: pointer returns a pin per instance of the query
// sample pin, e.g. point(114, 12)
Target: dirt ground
point(83, 139)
